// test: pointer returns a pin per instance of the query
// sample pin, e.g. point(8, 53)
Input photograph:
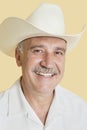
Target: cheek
point(61, 64)
point(29, 63)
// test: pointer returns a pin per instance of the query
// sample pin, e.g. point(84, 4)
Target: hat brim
point(14, 30)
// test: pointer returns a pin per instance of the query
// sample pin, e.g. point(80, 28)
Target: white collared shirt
point(67, 111)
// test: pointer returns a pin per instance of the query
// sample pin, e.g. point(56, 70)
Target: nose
point(48, 60)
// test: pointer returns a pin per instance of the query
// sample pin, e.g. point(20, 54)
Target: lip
point(46, 75)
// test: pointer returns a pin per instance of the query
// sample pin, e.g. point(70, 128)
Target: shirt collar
point(57, 107)
point(15, 103)
point(18, 105)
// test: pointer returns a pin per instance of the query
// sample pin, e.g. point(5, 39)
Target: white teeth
point(45, 75)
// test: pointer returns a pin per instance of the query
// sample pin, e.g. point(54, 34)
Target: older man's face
point(42, 63)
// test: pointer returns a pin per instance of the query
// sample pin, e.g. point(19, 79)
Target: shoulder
point(7, 95)
point(3, 102)
point(75, 108)
point(69, 97)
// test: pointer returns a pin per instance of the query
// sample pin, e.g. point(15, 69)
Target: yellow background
point(75, 13)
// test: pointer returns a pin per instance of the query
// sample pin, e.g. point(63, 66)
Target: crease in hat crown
point(46, 20)
point(49, 18)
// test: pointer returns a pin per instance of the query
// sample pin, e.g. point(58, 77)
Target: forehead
point(45, 41)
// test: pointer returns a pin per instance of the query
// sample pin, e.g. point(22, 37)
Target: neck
point(40, 103)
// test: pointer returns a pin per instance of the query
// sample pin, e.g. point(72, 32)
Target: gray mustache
point(46, 70)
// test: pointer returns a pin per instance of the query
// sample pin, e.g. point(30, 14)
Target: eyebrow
point(61, 48)
point(37, 46)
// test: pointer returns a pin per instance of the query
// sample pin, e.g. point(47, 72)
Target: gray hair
point(20, 46)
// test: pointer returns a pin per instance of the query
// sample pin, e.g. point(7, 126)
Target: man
point(36, 101)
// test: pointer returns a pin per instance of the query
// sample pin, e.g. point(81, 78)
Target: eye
point(37, 51)
point(60, 53)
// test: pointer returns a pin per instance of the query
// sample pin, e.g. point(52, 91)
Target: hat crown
point(49, 18)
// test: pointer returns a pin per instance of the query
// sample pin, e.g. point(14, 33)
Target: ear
point(18, 57)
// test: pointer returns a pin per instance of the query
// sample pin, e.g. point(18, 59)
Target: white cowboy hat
point(47, 20)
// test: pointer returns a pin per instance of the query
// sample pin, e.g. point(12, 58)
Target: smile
point(45, 72)
point(47, 75)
